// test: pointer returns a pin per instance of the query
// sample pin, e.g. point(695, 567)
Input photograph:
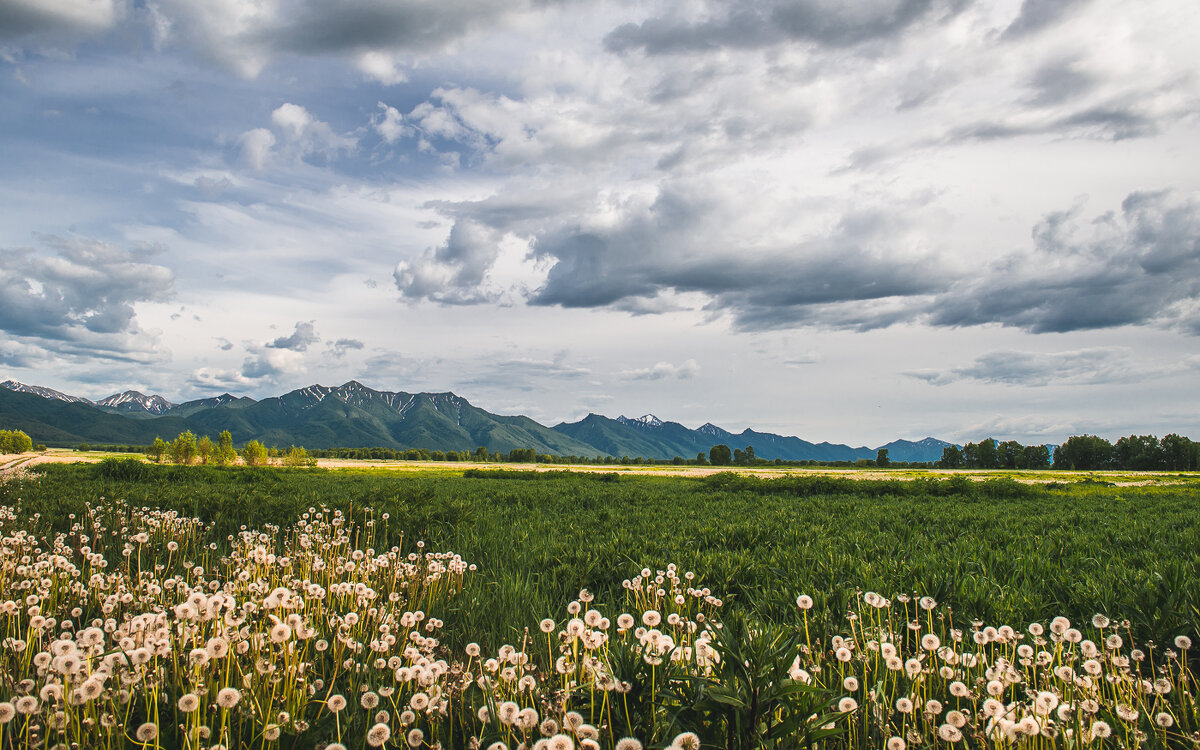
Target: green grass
point(996, 550)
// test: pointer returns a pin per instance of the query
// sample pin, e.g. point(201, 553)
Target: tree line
point(1135, 453)
point(186, 448)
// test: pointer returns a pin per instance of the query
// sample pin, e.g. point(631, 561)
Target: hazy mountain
point(649, 436)
point(920, 450)
point(353, 415)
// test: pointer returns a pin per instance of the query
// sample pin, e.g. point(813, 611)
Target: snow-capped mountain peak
point(38, 390)
point(136, 401)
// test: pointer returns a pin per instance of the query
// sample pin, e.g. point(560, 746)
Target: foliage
point(15, 441)
point(720, 455)
point(183, 448)
point(255, 454)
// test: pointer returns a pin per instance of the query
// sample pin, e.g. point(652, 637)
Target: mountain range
point(353, 415)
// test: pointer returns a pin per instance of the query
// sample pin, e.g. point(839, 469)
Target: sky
point(845, 220)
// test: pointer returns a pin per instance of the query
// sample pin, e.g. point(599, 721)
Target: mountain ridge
point(353, 415)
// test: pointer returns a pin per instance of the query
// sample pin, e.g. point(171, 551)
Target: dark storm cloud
point(22, 17)
point(303, 337)
point(312, 27)
point(1135, 267)
point(679, 245)
point(1036, 15)
point(81, 296)
point(828, 23)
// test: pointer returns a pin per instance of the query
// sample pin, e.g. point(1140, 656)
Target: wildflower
point(933, 707)
point(572, 721)
point(378, 734)
point(146, 732)
point(949, 733)
point(1182, 642)
point(548, 728)
point(804, 601)
point(1100, 621)
point(507, 712)
point(562, 742)
point(686, 741)
point(842, 654)
point(930, 642)
point(956, 719)
point(370, 700)
point(1163, 719)
point(850, 684)
point(497, 745)
point(188, 703)
point(847, 704)
point(228, 697)
point(26, 705)
point(651, 618)
point(7, 712)
point(419, 701)
point(415, 737)
point(546, 625)
point(625, 621)
point(959, 690)
point(628, 743)
point(271, 732)
point(1101, 729)
point(904, 705)
point(896, 743)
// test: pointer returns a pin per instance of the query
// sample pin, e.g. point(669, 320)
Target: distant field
point(993, 548)
point(1119, 478)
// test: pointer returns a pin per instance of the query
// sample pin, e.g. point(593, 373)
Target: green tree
point(255, 454)
point(1179, 453)
point(1084, 452)
point(1010, 455)
point(720, 455)
point(298, 457)
point(158, 450)
point(1142, 452)
point(1036, 457)
point(225, 454)
point(183, 448)
point(15, 441)
point(205, 449)
point(952, 458)
point(987, 455)
point(881, 457)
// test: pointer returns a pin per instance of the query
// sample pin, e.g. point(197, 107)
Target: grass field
point(990, 551)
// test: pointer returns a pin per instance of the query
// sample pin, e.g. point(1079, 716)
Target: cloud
point(255, 148)
point(81, 299)
point(389, 123)
point(1036, 15)
point(1095, 366)
point(381, 37)
point(304, 336)
point(300, 137)
point(826, 23)
point(57, 17)
point(685, 370)
point(526, 373)
point(454, 272)
point(224, 344)
point(1137, 267)
point(339, 348)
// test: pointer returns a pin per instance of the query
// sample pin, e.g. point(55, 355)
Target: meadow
point(576, 609)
